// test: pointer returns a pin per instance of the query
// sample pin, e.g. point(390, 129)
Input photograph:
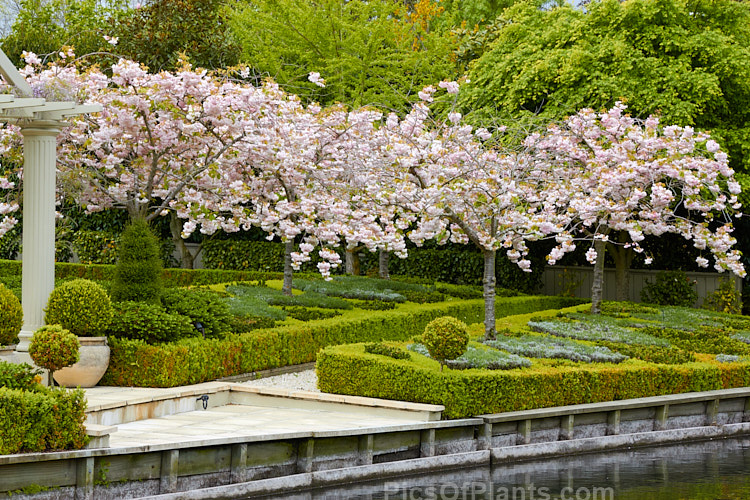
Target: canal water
point(712, 470)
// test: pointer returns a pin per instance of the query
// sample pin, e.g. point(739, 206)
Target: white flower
point(316, 79)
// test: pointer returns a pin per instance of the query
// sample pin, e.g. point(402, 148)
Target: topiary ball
point(53, 347)
point(11, 316)
point(445, 338)
point(81, 306)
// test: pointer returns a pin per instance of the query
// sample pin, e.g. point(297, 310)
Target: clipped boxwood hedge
point(44, 419)
point(190, 361)
point(350, 370)
point(172, 277)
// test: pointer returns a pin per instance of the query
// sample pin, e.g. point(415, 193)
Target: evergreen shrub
point(139, 266)
point(201, 306)
point(11, 316)
point(44, 419)
point(53, 347)
point(445, 338)
point(81, 306)
point(19, 376)
point(149, 322)
point(670, 288)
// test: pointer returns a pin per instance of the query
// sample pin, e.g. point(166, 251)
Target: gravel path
point(304, 381)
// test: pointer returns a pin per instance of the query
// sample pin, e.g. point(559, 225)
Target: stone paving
point(265, 414)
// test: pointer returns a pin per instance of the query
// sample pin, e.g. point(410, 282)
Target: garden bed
point(194, 360)
point(699, 351)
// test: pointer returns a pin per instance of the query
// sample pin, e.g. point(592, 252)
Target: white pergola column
point(38, 279)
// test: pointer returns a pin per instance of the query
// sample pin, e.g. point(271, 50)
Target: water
point(714, 470)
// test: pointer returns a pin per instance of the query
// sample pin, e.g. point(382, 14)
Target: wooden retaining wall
point(297, 459)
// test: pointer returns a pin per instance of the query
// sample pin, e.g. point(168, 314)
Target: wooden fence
point(576, 282)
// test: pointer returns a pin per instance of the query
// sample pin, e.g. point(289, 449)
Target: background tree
point(684, 61)
point(377, 52)
point(159, 31)
point(45, 26)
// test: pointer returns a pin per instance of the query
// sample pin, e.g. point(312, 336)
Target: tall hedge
point(461, 265)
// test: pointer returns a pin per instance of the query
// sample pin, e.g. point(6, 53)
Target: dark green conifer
point(139, 266)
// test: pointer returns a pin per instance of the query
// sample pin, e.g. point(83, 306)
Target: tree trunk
point(597, 287)
point(187, 260)
point(383, 265)
point(350, 261)
point(288, 249)
point(488, 282)
point(623, 257)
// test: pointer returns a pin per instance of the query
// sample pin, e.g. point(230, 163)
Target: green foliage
point(445, 338)
point(53, 347)
point(725, 298)
point(487, 359)
point(136, 363)
point(536, 346)
point(201, 306)
point(555, 61)
point(96, 247)
point(651, 353)
point(149, 322)
point(453, 265)
point(45, 26)
point(306, 314)
point(244, 255)
point(386, 350)
point(248, 323)
point(159, 31)
point(470, 292)
point(81, 306)
point(670, 288)
point(19, 376)
point(138, 271)
point(11, 316)
point(594, 330)
point(375, 305)
point(45, 419)
point(277, 298)
point(703, 339)
point(384, 60)
point(347, 369)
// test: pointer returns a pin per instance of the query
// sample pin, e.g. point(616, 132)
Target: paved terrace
point(145, 417)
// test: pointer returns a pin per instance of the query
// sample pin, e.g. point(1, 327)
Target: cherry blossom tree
point(630, 178)
point(159, 137)
point(291, 179)
point(467, 185)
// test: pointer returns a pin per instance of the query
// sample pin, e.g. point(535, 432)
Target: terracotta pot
point(91, 366)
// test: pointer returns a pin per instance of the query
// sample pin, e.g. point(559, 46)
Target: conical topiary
point(139, 265)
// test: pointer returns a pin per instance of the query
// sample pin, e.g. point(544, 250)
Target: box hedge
point(44, 419)
point(190, 361)
point(172, 277)
point(350, 370)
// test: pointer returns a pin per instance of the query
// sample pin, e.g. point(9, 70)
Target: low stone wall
point(285, 463)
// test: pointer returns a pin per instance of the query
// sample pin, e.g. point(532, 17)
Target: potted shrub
point(53, 347)
point(11, 317)
point(84, 308)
